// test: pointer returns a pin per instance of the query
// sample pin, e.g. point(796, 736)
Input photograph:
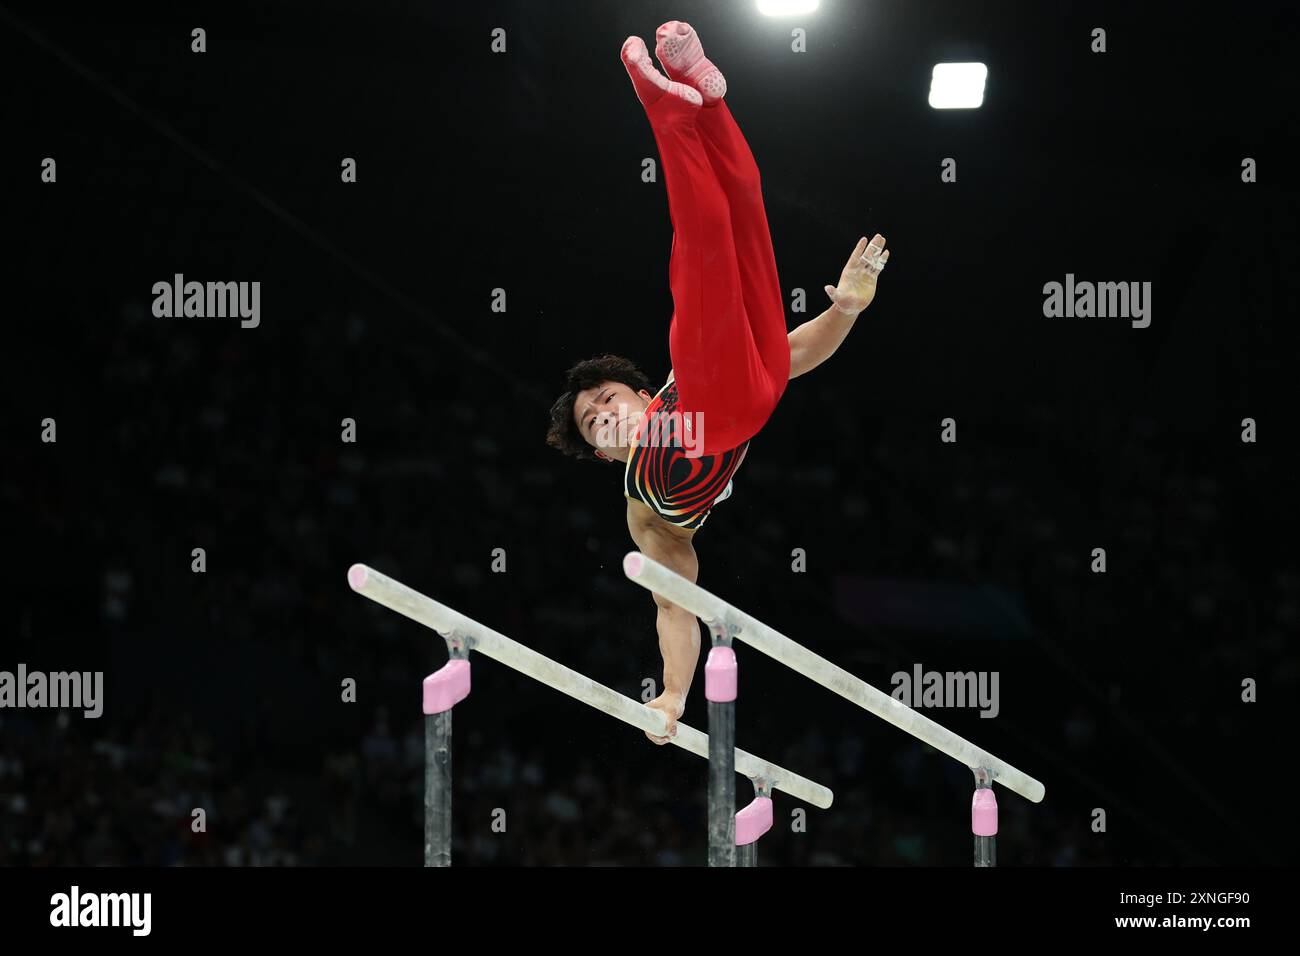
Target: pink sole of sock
point(681, 54)
point(649, 83)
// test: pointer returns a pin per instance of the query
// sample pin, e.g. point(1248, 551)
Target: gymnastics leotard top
point(680, 489)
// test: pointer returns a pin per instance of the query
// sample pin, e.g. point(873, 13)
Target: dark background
point(522, 171)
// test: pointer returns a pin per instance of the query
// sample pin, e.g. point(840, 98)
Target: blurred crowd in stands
point(282, 779)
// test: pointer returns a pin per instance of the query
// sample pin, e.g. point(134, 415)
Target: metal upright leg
point(443, 690)
point(720, 690)
point(984, 819)
point(752, 822)
point(437, 789)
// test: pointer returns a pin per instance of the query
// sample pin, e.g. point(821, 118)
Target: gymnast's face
point(607, 417)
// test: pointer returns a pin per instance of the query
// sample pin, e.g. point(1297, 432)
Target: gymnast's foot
point(680, 53)
point(651, 85)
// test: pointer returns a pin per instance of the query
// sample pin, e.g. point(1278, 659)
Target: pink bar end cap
point(357, 576)
point(720, 675)
point(753, 821)
point(984, 813)
point(446, 687)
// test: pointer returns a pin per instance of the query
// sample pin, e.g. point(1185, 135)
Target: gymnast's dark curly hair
point(563, 433)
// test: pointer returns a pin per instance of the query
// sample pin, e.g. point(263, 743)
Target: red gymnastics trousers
point(728, 339)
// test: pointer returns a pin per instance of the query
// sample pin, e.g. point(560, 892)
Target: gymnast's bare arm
point(817, 339)
point(679, 631)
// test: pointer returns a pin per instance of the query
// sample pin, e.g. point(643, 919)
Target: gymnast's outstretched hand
point(673, 706)
point(858, 280)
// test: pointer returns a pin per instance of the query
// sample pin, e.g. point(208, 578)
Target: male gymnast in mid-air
point(731, 352)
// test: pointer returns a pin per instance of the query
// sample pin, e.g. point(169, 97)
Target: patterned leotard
point(680, 489)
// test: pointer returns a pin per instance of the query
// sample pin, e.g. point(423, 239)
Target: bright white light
point(958, 86)
point(787, 8)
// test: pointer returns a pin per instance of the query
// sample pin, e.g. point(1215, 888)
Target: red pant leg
point(737, 173)
point(721, 374)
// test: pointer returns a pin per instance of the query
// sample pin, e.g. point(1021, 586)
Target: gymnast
point(731, 353)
